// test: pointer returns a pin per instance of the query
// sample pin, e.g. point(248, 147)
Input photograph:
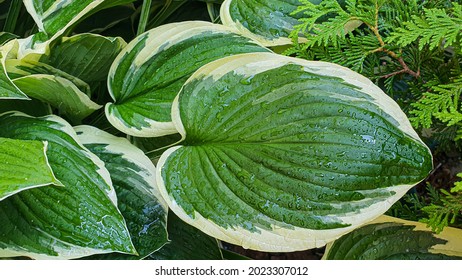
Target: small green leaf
point(86, 56)
point(133, 176)
point(146, 76)
point(76, 220)
point(268, 22)
point(24, 165)
point(187, 243)
point(283, 154)
point(59, 93)
point(392, 238)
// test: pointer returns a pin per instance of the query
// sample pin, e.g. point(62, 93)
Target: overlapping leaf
point(59, 93)
point(392, 238)
point(54, 18)
point(86, 56)
point(187, 243)
point(133, 176)
point(269, 22)
point(8, 90)
point(281, 154)
point(148, 73)
point(23, 165)
point(76, 220)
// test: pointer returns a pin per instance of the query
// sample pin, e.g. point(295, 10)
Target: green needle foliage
point(413, 50)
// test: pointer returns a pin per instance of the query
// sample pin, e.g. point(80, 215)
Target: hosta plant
point(209, 135)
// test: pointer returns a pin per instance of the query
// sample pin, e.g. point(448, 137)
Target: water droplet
point(246, 80)
point(341, 154)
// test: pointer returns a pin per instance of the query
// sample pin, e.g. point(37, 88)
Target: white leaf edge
point(156, 40)
point(76, 251)
point(41, 48)
point(7, 51)
point(70, 87)
point(453, 247)
point(121, 146)
point(281, 239)
point(228, 21)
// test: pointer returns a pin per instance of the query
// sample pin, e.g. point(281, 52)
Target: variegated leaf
point(150, 71)
point(133, 176)
point(59, 93)
point(8, 90)
point(269, 22)
point(284, 154)
point(76, 220)
point(388, 238)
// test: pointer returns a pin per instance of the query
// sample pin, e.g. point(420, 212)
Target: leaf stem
point(375, 29)
point(144, 16)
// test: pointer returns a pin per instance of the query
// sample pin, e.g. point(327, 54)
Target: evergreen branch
point(435, 27)
point(442, 215)
point(442, 103)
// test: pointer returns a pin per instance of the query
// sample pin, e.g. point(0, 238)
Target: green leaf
point(283, 154)
point(6, 36)
point(59, 93)
point(187, 243)
point(18, 68)
point(392, 238)
point(133, 176)
point(8, 90)
point(149, 72)
point(269, 22)
point(53, 17)
point(76, 220)
point(24, 165)
point(86, 56)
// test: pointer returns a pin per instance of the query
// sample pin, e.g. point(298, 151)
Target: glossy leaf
point(53, 17)
point(187, 243)
point(8, 90)
point(149, 72)
point(23, 165)
point(392, 238)
point(86, 56)
point(269, 22)
point(59, 93)
point(76, 220)
point(133, 176)
point(283, 154)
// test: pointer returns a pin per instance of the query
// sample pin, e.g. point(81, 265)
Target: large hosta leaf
point(149, 72)
point(392, 238)
point(23, 165)
point(133, 176)
point(270, 22)
point(76, 220)
point(283, 154)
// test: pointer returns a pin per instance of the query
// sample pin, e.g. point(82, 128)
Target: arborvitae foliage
point(410, 48)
